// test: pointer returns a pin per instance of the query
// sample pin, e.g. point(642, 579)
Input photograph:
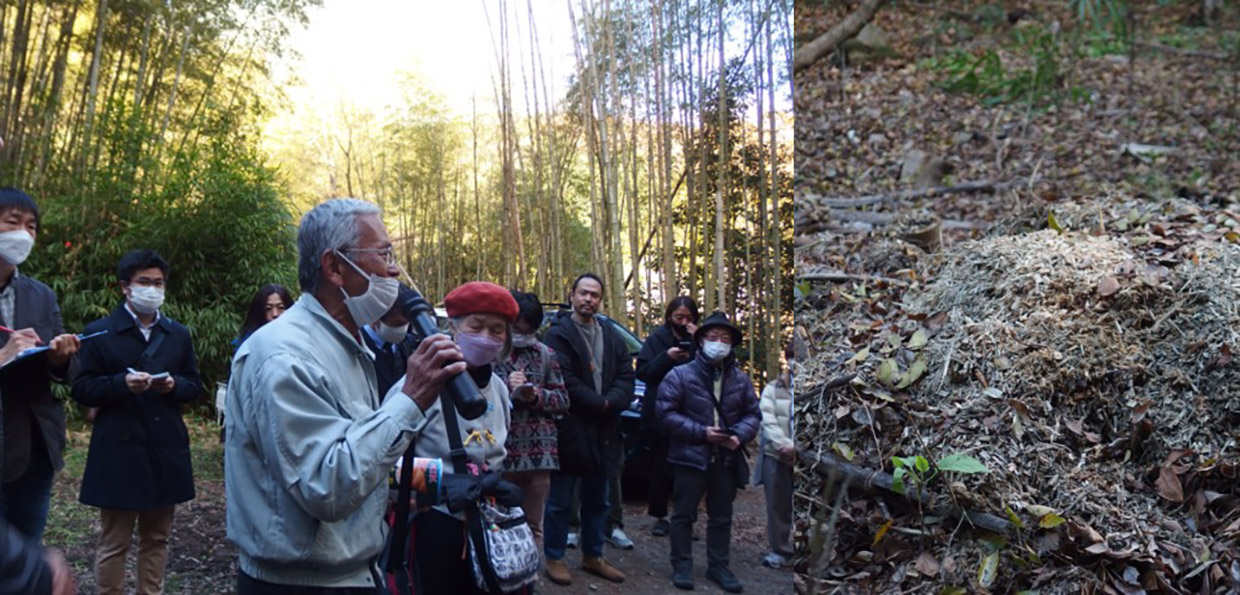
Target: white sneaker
point(618, 539)
point(773, 560)
point(572, 539)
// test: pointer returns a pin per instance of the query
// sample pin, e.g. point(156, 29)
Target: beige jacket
point(776, 406)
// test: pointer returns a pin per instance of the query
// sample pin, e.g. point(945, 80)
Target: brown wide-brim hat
point(481, 297)
point(718, 319)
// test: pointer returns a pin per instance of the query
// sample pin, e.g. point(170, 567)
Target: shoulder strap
point(546, 362)
point(473, 517)
point(157, 339)
point(711, 389)
point(398, 563)
point(448, 407)
point(473, 524)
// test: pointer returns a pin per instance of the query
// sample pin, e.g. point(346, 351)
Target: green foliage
point(986, 76)
point(1102, 15)
point(918, 469)
point(961, 463)
point(217, 219)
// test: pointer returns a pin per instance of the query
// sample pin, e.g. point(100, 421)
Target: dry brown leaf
point(1098, 548)
point(1108, 286)
point(926, 565)
point(1168, 485)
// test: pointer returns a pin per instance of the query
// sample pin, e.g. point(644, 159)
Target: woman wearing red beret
point(481, 318)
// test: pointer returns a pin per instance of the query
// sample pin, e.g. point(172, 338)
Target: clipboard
point(33, 351)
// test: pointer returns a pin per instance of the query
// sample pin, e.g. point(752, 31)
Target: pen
point(11, 331)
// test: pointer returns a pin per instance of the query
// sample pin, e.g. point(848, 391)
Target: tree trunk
point(721, 173)
point(827, 42)
point(775, 307)
point(93, 88)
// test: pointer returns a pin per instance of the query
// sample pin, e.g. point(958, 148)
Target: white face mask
point(523, 341)
point(392, 334)
point(375, 301)
point(15, 246)
point(716, 350)
point(145, 300)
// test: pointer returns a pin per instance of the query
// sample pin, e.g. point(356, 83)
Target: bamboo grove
point(134, 123)
point(663, 164)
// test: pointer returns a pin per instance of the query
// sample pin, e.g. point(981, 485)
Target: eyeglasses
point(387, 254)
point(147, 282)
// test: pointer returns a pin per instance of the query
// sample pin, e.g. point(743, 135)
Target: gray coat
point(26, 385)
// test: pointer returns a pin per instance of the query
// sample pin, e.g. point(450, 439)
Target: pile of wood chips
point(1085, 357)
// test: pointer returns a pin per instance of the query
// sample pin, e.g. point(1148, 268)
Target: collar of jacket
point(729, 362)
point(122, 320)
point(568, 327)
point(332, 326)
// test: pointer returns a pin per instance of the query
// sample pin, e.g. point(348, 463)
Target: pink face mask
point(479, 349)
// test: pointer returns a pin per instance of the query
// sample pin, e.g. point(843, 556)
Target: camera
point(461, 388)
point(685, 344)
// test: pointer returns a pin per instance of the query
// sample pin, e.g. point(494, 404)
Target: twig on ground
point(873, 199)
point(845, 277)
point(870, 479)
point(1182, 51)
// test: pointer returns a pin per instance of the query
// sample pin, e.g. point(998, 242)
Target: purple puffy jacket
point(686, 408)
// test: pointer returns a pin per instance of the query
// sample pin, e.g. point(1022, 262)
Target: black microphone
point(461, 388)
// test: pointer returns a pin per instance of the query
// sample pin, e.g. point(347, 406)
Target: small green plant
point(918, 469)
point(986, 76)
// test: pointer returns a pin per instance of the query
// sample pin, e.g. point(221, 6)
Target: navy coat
point(139, 455)
point(589, 435)
point(687, 407)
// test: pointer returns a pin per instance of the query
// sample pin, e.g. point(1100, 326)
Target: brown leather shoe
point(557, 571)
point(600, 568)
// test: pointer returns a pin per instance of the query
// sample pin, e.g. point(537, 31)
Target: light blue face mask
point(716, 350)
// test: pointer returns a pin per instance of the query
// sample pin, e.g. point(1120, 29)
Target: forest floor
point(201, 559)
point(1071, 327)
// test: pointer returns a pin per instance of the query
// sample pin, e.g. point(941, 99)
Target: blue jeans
point(26, 499)
point(594, 505)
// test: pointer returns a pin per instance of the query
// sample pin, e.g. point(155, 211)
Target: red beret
point(480, 297)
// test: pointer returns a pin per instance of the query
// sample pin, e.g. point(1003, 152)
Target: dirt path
point(647, 567)
point(203, 561)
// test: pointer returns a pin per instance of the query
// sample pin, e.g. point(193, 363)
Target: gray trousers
point(718, 484)
point(777, 483)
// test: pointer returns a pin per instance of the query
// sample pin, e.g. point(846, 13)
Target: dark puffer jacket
point(686, 406)
point(653, 364)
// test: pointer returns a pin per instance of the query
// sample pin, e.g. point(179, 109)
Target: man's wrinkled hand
point(436, 360)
